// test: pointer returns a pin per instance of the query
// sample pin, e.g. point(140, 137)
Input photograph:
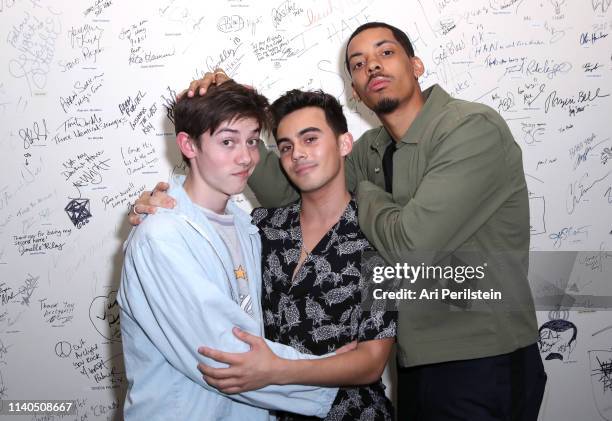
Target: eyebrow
point(309, 129)
point(301, 133)
point(377, 44)
point(233, 131)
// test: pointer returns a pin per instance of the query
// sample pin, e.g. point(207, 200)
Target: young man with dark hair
point(191, 274)
point(312, 256)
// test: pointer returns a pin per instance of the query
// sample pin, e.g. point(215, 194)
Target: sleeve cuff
point(327, 400)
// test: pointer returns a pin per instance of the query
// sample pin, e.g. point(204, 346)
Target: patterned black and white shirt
point(319, 309)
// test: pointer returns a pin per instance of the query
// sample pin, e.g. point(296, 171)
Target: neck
point(327, 204)
point(201, 194)
point(399, 121)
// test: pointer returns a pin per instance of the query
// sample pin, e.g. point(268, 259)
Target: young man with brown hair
point(191, 274)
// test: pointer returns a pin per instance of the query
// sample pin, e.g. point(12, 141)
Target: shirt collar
point(190, 209)
point(349, 214)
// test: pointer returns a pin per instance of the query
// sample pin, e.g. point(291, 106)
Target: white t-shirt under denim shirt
point(226, 228)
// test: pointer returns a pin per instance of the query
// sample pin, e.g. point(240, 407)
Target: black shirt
point(319, 309)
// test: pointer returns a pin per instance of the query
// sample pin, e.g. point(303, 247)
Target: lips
point(303, 168)
point(242, 174)
point(378, 82)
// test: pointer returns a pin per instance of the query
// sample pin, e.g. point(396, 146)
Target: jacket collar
point(435, 99)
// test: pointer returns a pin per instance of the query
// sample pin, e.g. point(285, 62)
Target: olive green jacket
point(459, 198)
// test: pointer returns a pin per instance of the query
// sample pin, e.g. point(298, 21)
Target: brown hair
point(225, 102)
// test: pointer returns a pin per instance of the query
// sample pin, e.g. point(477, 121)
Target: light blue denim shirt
point(176, 294)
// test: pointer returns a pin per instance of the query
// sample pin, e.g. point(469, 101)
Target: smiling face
point(383, 76)
point(223, 162)
point(311, 153)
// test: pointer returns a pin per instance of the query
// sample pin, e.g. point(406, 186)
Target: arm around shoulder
point(268, 181)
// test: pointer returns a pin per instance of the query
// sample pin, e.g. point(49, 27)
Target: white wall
point(83, 86)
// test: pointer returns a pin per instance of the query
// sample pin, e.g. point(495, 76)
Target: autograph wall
point(84, 90)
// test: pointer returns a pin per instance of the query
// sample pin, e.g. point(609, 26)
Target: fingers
point(134, 219)
point(148, 202)
point(229, 386)
point(162, 186)
point(200, 86)
point(233, 390)
point(156, 198)
point(246, 337)
point(140, 209)
point(216, 373)
point(220, 76)
point(136, 212)
point(193, 86)
point(222, 379)
point(144, 197)
point(219, 356)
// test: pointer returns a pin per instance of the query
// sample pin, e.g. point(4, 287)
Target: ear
point(345, 143)
point(355, 94)
point(418, 67)
point(186, 145)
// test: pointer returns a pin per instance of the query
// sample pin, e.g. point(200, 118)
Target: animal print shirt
point(319, 310)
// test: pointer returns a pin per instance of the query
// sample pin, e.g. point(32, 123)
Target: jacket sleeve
point(178, 304)
point(462, 187)
point(268, 181)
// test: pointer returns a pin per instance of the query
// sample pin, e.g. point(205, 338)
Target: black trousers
point(507, 387)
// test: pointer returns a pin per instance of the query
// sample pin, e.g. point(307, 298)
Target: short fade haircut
point(226, 102)
point(399, 35)
point(295, 99)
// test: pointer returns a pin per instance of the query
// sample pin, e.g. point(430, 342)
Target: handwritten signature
point(578, 189)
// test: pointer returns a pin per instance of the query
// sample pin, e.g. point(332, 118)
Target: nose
point(244, 156)
point(374, 66)
point(298, 152)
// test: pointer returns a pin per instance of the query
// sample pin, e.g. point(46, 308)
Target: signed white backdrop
point(84, 129)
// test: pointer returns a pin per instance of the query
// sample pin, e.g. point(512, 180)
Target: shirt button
point(377, 170)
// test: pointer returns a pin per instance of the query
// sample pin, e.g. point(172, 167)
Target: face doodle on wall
point(104, 315)
point(557, 339)
point(78, 212)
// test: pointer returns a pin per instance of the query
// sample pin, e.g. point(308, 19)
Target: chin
point(386, 105)
point(231, 191)
point(309, 187)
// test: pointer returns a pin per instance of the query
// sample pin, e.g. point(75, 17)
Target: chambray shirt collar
point(435, 99)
